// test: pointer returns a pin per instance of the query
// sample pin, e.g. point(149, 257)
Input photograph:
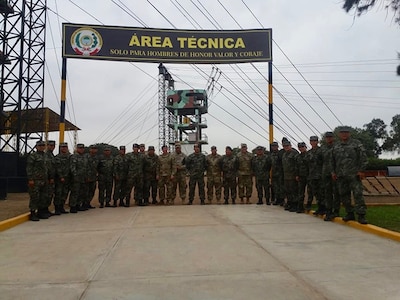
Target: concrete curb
point(9, 223)
point(382, 232)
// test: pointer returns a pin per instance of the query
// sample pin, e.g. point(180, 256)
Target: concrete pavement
point(195, 252)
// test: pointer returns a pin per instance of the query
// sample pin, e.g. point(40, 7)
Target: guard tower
point(188, 108)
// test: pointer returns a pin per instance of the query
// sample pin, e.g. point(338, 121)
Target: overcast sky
point(347, 71)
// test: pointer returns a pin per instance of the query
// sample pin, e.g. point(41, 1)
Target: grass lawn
point(385, 216)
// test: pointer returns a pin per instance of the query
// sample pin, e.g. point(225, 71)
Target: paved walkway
point(195, 252)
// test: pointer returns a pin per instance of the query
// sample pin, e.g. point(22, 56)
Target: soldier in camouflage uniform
point(214, 180)
point(261, 166)
point(36, 169)
point(245, 176)
point(301, 175)
point(229, 166)
point(167, 171)
point(105, 179)
point(315, 160)
point(51, 169)
point(179, 179)
point(196, 165)
point(331, 195)
point(277, 188)
point(151, 169)
point(79, 170)
point(349, 161)
point(120, 172)
point(135, 162)
point(289, 176)
point(91, 176)
point(62, 179)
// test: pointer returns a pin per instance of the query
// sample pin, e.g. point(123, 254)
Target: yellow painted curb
point(382, 232)
point(6, 224)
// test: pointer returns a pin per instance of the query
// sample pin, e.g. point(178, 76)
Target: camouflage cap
point(52, 143)
point(314, 138)
point(135, 146)
point(228, 148)
point(329, 134)
point(64, 145)
point(243, 145)
point(40, 143)
point(284, 139)
point(107, 148)
point(142, 145)
point(151, 148)
point(301, 144)
point(213, 147)
point(122, 148)
point(274, 144)
point(259, 148)
point(177, 144)
point(81, 146)
point(93, 146)
point(286, 143)
point(344, 129)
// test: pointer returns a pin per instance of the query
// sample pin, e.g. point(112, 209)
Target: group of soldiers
point(330, 173)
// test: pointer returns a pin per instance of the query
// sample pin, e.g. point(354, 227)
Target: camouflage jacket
point(36, 166)
point(62, 163)
point(245, 161)
point(196, 164)
point(276, 166)
point(213, 166)
point(51, 168)
point(315, 161)
point(79, 167)
point(348, 158)
point(106, 169)
point(135, 162)
point(92, 167)
point(167, 165)
point(178, 161)
point(289, 164)
point(327, 160)
point(151, 167)
point(302, 165)
point(261, 166)
point(229, 166)
point(120, 167)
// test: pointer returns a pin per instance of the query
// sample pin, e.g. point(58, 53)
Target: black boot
point(73, 209)
point(268, 202)
point(108, 204)
point(115, 203)
point(260, 202)
point(127, 203)
point(62, 210)
point(202, 202)
point(362, 220)
point(349, 217)
point(57, 210)
point(121, 202)
point(226, 202)
point(33, 216)
point(42, 214)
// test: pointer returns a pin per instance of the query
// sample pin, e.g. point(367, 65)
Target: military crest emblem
point(86, 41)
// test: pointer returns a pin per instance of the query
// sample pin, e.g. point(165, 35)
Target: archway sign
point(165, 45)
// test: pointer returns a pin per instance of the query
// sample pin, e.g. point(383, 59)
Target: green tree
point(362, 6)
point(392, 142)
point(377, 129)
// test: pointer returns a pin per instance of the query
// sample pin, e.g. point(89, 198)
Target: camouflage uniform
point(79, 171)
point(245, 176)
point(348, 159)
point(62, 181)
point(229, 166)
point(36, 169)
point(214, 179)
point(151, 175)
point(261, 166)
point(277, 186)
point(196, 165)
point(91, 177)
point(105, 179)
point(301, 176)
point(289, 176)
point(315, 160)
point(167, 171)
point(51, 169)
point(120, 171)
point(179, 179)
point(135, 162)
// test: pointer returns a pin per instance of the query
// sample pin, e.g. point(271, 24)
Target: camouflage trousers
point(301, 190)
point(38, 195)
point(214, 182)
point(291, 189)
point(90, 191)
point(120, 189)
point(262, 186)
point(229, 184)
point(199, 181)
point(348, 184)
point(179, 181)
point(78, 194)
point(315, 190)
point(165, 188)
point(61, 193)
point(150, 187)
point(245, 186)
point(277, 187)
point(331, 194)
point(105, 190)
point(136, 182)
point(51, 188)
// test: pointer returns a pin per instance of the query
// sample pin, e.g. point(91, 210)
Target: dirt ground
point(17, 203)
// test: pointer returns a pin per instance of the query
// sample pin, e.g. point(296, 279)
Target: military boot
point(260, 202)
point(42, 214)
point(226, 202)
point(121, 202)
point(190, 202)
point(349, 217)
point(62, 210)
point(73, 209)
point(268, 202)
point(115, 203)
point(33, 216)
point(128, 203)
point(202, 202)
point(108, 204)
point(362, 220)
point(57, 210)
